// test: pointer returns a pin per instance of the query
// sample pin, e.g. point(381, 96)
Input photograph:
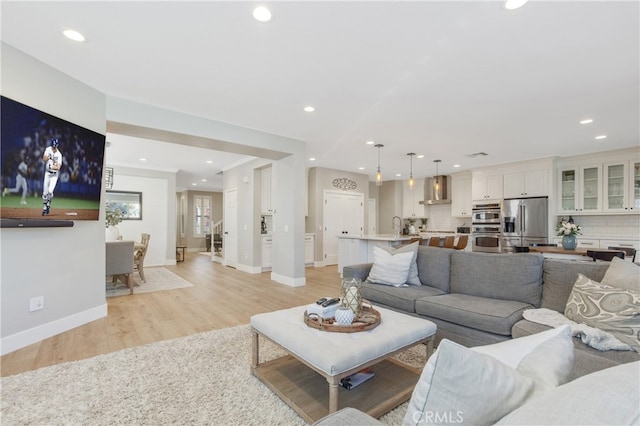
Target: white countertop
point(377, 237)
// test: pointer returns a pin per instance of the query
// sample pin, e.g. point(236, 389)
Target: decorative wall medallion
point(344, 184)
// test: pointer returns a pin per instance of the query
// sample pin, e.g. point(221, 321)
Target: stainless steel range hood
point(436, 193)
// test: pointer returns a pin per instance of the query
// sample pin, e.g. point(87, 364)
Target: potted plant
point(568, 232)
point(113, 216)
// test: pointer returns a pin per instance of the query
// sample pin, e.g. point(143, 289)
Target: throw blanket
point(591, 336)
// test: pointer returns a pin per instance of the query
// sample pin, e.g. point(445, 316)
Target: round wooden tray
point(369, 319)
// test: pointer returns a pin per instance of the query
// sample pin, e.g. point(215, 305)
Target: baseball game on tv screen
point(51, 168)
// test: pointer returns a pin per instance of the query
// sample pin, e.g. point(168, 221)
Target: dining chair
point(118, 263)
point(462, 242)
point(604, 254)
point(434, 241)
point(139, 255)
point(628, 251)
point(449, 241)
point(414, 240)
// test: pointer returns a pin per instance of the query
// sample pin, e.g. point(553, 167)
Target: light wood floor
point(221, 297)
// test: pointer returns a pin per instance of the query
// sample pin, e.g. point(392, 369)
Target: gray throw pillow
point(623, 274)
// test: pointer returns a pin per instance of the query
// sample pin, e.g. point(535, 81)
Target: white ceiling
point(444, 79)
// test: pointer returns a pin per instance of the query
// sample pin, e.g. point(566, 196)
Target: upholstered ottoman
point(317, 357)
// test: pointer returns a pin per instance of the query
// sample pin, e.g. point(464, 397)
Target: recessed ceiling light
point(204, 180)
point(73, 35)
point(587, 121)
point(309, 108)
point(143, 159)
point(194, 184)
point(514, 4)
point(370, 142)
point(262, 14)
point(360, 168)
point(456, 165)
point(420, 155)
point(312, 159)
point(209, 162)
point(601, 137)
point(398, 174)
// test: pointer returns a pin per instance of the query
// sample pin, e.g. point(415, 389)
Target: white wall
point(64, 265)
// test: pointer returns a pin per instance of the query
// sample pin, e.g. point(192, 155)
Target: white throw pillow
point(413, 268)
point(622, 274)
point(390, 269)
point(479, 386)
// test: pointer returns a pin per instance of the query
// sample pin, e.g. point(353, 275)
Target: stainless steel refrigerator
point(524, 221)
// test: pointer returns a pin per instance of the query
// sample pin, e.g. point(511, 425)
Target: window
point(130, 203)
point(202, 213)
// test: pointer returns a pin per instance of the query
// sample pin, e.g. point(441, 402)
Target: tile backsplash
point(439, 218)
point(627, 226)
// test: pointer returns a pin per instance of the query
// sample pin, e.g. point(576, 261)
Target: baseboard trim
point(36, 334)
point(249, 269)
point(291, 282)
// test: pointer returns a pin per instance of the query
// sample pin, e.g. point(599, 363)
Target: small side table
point(180, 253)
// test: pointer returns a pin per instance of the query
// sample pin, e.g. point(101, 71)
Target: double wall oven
point(485, 228)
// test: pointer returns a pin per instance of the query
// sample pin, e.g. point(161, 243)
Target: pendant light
point(411, 155)
point(436, 182)
point(378, 174)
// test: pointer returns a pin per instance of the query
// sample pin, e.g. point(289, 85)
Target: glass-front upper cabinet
point(622, 187)
point(581, 189)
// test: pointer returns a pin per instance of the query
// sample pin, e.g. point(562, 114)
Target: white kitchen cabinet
point(411, 197)
point(621, 187)
point(586, 243)
point(461, 199)
point(486, 187)
point(267, 246)
point(533, 183)
point(309, 249)
point(266, 191)
point(620, 243)
point(580, 189)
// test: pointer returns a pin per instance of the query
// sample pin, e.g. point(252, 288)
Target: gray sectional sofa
point(477, 299)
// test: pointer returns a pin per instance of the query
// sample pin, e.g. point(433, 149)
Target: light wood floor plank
point(221, 297)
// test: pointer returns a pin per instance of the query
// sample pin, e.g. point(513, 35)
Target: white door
point(343, 214)
point(372, 217)
point(230, 243)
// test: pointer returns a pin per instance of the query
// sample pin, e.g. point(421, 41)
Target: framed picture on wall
point(130, 203)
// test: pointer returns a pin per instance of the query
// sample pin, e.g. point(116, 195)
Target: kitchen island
point(353, 250)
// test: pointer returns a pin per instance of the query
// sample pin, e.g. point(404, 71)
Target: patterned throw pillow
point(610, 309)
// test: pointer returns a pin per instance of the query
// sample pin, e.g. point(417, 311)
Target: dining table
point(561, 253)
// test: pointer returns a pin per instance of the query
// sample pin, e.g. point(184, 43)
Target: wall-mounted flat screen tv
point(27, 174)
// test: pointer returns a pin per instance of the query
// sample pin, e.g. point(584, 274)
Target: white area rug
point(203, 379)
point(157, 279)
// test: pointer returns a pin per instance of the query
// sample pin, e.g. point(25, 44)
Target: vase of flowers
point(113, 217)
point(568, 232)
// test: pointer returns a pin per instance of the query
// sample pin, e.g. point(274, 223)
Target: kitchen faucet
point(396, 226)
